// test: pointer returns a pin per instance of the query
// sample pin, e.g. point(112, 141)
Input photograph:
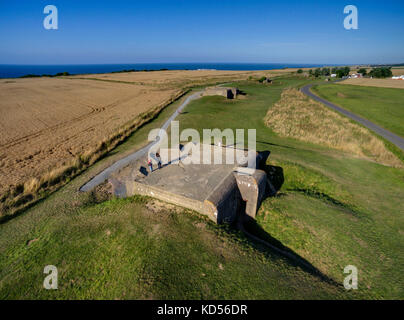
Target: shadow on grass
point(274, 144)
point(263, 241)
point(275, 179)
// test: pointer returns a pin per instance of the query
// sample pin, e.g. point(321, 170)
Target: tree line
point(340, 72)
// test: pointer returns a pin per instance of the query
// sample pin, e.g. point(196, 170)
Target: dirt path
point(106, 173)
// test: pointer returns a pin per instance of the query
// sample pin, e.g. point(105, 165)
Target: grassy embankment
point(383, 106)
point(300, 117)
point(328, 211)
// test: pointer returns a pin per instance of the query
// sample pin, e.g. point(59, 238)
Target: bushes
point(382, 72)
point(320, 72)
point(46, 75)
point(362, 71)
point(341, 72)
point(317, 72)
point(262, 79)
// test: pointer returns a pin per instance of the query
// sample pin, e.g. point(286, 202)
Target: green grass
point(349, 219)
point(121, 250)
point(332, 210)
point(383, 106)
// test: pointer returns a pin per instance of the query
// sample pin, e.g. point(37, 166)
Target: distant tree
point(317, 72)
point(300, 71)
point(60, 74)
point(342, 72)
point(262, 79)
point(30, 76)
point(382, 72)
point(362, 71)
point(311, 72)
point(325, 71)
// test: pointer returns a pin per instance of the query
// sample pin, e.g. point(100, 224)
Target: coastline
point(11, 71)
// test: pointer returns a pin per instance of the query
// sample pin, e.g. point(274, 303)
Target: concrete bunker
point(218, 191)
point(227, 92)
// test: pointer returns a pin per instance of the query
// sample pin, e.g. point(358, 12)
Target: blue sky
point(119, 31)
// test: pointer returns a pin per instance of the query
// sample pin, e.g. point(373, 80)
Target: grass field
point(383, 106)
point(129, 249)
point(332, 209)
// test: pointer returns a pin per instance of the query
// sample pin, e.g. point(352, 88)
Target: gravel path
point(106, 173)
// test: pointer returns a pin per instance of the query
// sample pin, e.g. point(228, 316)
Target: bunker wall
point(252, 190)
point(222, 204)
point(146, 190)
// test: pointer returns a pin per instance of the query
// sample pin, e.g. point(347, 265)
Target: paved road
point(105, 174)
point(393, 138)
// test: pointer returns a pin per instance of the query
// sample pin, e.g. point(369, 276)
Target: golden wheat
point(32, 185)
point(382, 83)
point(22, 195)
point(299, 117)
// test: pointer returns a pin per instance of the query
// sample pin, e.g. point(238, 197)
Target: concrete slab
point(211, 189)
point(193, 181)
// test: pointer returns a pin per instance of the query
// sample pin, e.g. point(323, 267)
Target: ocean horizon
point(15, 71)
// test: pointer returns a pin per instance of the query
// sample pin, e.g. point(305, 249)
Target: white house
point(398, 77)
point(333, 75)
point(356, 75)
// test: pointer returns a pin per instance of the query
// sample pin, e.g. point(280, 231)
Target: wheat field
point(383, 83)
point(182, 78)
point(48, 122)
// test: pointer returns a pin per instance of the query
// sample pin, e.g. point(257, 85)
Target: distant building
point(398, 77)
point(356, 75)
point(333, 75)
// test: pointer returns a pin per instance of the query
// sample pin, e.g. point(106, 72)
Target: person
point(158, 160)
point(150, 164)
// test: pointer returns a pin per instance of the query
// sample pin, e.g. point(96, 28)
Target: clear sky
point(119, 31)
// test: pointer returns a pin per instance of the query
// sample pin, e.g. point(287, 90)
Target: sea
point(15, 71)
